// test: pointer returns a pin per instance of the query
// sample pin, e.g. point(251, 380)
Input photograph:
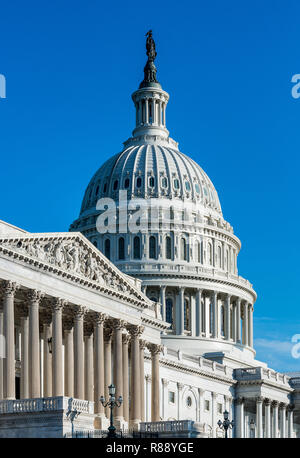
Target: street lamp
point(226, 424)
point(111, 403)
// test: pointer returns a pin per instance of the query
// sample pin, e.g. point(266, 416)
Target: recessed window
point(136, 248)
point(168, 247)
point(97, 190)
point(187, 186)
point(152, 247)
point(115, 187)
point(126, 183)
point(105, 187)
point(164, 182)
point(176, 183)
point(169, 310)
point(121, 248)
point(172, 397)
point(207, 405)
point(107, 248)
point(189, 401)
point(197, 188)
point(205, 191)
point(220, 408)
point(151, 182)
point(138, 182)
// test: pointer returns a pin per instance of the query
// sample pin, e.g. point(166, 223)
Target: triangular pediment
point(72, 256)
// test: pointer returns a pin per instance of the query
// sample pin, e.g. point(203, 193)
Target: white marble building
point(163, 312)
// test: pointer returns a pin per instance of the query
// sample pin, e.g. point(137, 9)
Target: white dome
point(152, 170)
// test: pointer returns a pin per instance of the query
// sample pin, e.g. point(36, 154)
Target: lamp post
point(111, 403)
point(226, 424)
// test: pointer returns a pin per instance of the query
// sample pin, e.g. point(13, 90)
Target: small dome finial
point(150, 69)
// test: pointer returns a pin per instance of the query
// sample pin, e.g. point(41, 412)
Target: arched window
point(231, 323)
point(151, 182)
point(187, 319)
point(126, 183)
point(169, 310)
point(107, 248)
point(104, 188)
point(164, 182)
point(121, 248)
point(219, 257)
point(168, 248)
point(211, 317)
point(152, 247)
point(183, 249)
point(227, 260)
point(222, 320)
point(95, 243)
point(137, 248)
point(115, 186)
point(97, 190)
point(138, 182)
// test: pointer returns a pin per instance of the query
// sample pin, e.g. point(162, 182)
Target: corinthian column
point(118, 326)
point(142, 358)
point(79, 353)
point(259, 417)
point(24, 392)
point(69, 357)
point(89, 364)
point(34, 298)
point(8, 293)
point(107, 363)
point(2, 350)
point(47, 365)
point(290, 421)
point(238, 320)
point(126, 340)
point(99, 363)
point(267, 418)
point(135, 398)
point(155, 401)
point(57, 356)
point(227, 311)
point(283, 420)
point(275, 419)
point(239, 417)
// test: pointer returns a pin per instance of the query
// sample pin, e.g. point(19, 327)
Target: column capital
point(68, 324)
point(214, 395)
point(155, 349)
point(108, 331)
point(165, 381)
point(180, 386)
point(148, 378)
point(117, 324)
point(34, 296)
point(259, 399)
point(8, 288)
point(57, 304)
point(239, 400)
point(80, 312)
point(88, 329)
point(214, 294)
point(143, 344)
point(135, 330)
point(282, 405)
point(290, 407)
point(275, 404)
point(99, 318)
point(267, 402)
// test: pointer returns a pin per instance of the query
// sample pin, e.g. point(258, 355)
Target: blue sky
point(71, 67)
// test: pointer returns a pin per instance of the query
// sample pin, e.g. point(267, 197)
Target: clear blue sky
point(71, 67)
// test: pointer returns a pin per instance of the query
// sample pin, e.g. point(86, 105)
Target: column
point(155, 403)
point(118, 326)
point(164, 114)
point(290, 421)
point(163, 301)
point(214, 414)
point(107, 363)
point(154, 113)
point(57, 355)
point(165, 383)
point(179, 400)
point(227, 317)
point(259, 417)
point(8, 291)
point(214, 302)
point(78, 353)
point(159, 114)
point(267, 418)
point(147, 111)
point(198, 312)
point(140, 117)
point(239, 417)
point(34, 298)
point(47, 366)
point(142, 378)
point(69, 358)
point(148, 398)
point(193, 315)
point(201, 403)
point(238, 320)
point(99, 382)
point(250, 320)
point(24, 394)
point(135, 397)
point(207, 316)
point(88, 364)
point(126, 340)
point(275, 419)
point(180, 315)
point(283, 420)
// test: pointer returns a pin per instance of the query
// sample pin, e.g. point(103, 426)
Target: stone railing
point(260, 373)
point(176, 428)
point(46, 405)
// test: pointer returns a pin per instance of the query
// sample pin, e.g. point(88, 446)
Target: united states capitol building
point(143, 292)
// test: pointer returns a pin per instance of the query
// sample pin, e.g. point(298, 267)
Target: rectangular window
point(207, 405)
point(172, 397)
point(220, 408)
